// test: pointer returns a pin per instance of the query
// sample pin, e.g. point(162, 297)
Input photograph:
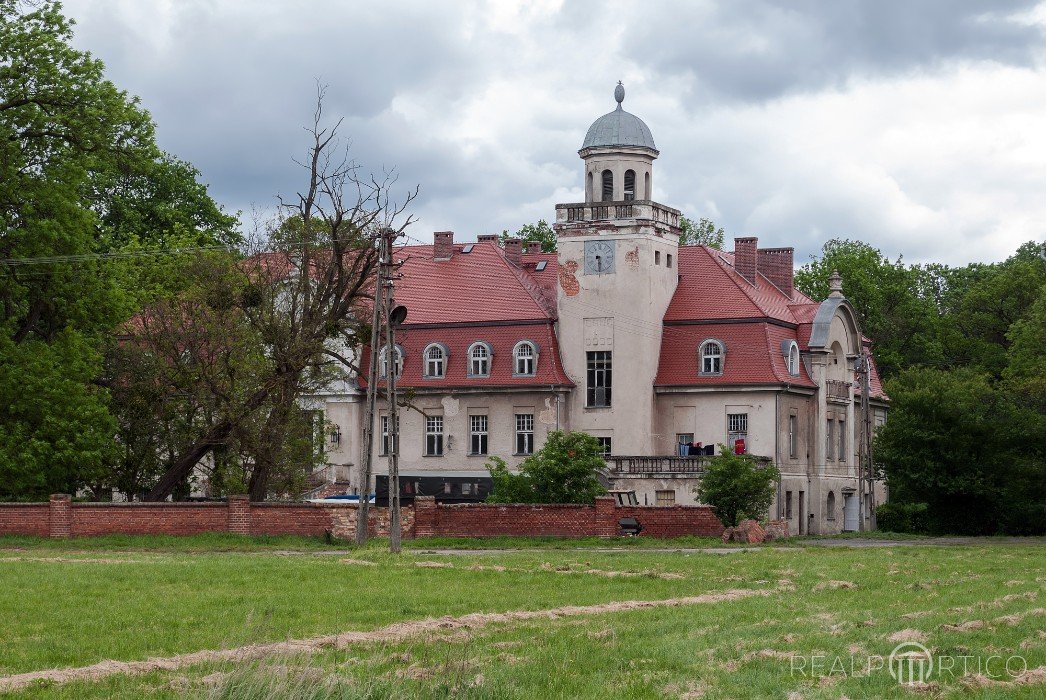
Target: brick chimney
point(514, 251)
point(776, 265)
point(443, 245)
point(746, 257)
point(487, 238)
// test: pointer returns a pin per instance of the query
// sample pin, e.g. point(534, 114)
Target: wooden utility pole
point(363, 512)
point(866, 430)
point(864, 462)
point(390, 386)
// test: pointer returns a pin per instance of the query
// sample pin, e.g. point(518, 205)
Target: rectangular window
point(434, 436)
point(599, 379)
point(665, 498)
point(736, 428)
point(657, 257)
point(842, 442)
point(386, 439)
point(668, 260)
point(524, 433)
point(477, 435)
point(793, 437)
point(606, 444)
point(788, 505)
point(466, 489)
point(829, 439)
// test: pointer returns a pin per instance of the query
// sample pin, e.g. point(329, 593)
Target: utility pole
point(864, 462)
point(390, 385)
point(866, 429)
point(363, 512)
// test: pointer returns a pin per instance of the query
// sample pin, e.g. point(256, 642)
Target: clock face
point(599, 257)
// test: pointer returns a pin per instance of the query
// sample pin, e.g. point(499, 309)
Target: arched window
point(646, 188)
point(711, 357)
point(793, 359)
point(479, 360)
point(630, 185)
point(608, 186)
point(384, 362)
point(435, 361)
point(588, 190)
point(830, 506)
point(526, 358)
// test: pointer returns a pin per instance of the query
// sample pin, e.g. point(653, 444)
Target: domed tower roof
point(619, 128)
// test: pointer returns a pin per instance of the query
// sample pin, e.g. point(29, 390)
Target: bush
point(738, 487)
point(903, 517)
point(563, 471)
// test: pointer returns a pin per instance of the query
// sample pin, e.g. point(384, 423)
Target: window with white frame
point(606, 446)
point(478, 435)
point(525, 358)
point(435, 361)
point(793, 359)
point(384, 362)
point(433, 436)
point(793, 436)
point(736, 428)
point(387, 440)
point(479, 360)
point(524, 433)
point(829, 439)
point(711, 357)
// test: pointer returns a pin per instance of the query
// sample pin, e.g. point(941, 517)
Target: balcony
point(837, 391)
point(621, 211)
point(622, 466)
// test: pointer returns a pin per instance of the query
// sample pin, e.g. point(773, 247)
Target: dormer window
point(383, 362)
point(479, 360)
point(435, 361)
point(711, 356)
point(630, 185)
point(793, 359)
point(526, 358)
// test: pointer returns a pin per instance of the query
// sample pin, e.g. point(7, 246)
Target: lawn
point(807, 620)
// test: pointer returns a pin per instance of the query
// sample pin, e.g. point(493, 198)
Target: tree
point(738, 487)
point(704, 232)
point(540, 233)
point(967, 449)
point(70, 142)
point(564, 470)
point(287, 313)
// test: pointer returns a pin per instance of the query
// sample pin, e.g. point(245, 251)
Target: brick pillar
point(425, 516)
point(60, 517)
point(239, 522)
point(606, 517)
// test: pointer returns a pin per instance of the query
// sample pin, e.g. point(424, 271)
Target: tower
point(617, 273)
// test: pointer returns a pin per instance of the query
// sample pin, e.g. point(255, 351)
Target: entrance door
point(850, 519)
point(802, 513)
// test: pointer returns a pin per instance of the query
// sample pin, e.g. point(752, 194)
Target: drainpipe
point(777, 444)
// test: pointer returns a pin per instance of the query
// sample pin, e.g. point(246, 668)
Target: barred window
point(736, 428)
point(478, 435)
point(434, 436)
point(524, 433)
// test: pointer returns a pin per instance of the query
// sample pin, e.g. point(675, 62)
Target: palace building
point(650, 346)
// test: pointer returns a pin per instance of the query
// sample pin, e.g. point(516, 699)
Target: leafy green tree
point(704, 232)
point(564, 470)
point(738, 487)
point(540, 233)
point(964, 447)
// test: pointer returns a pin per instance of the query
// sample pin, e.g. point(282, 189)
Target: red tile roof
point(753, 355)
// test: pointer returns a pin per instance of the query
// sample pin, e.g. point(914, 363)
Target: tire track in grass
point(392, 633)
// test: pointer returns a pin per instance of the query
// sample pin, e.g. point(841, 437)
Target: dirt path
point(392, 633)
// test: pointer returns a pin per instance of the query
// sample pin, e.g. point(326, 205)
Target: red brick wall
point(674, 521)
point(25, 519)
point(148, 518)
point(489, 520)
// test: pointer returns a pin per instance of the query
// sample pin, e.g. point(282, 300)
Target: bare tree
point(303, 293)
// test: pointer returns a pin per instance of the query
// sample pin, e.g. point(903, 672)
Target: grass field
point(801, 621)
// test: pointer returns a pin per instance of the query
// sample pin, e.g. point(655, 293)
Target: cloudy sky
point(916, 125)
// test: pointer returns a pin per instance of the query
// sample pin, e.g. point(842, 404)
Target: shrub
point(903, 517)
point(738, 487)
point(564, 470)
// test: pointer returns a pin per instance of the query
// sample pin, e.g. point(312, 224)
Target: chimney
point(776, 265)
point(746, 257)
point(487, 238)
point(443, 245)
point(514, 251)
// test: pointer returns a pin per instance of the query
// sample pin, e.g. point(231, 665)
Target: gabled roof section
point(710, 288)
point(477, 287)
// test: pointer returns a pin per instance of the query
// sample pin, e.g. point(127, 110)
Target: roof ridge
point(532, 288)
point(722, 263)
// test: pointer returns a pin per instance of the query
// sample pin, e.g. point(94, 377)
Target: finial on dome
point(619, 94)
point(835, 284)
